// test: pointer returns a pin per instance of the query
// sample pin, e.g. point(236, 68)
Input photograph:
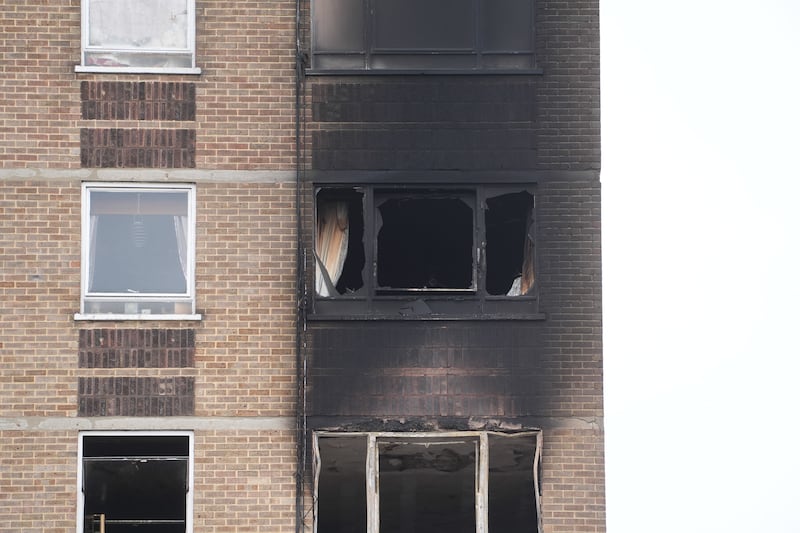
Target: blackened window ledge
point(430, 72)
point(328, 317)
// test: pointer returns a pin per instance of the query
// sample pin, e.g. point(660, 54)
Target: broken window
point(427, 482)
point(339, 242)
point(135, 482)
point(509, 244)
point(419, 243)
point(425, 241)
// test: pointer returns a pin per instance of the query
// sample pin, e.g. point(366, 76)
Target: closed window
point(131, 482)
point(138, 36)
point(427, 482)
point(420, 35)
point(138, 250)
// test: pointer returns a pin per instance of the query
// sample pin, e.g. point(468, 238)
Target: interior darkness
point(427, 487)
point(136, 478)
point(342, 491)
point(506, 237)
point(512, 500)
point(138, 259)
point(352, 278)
point(425, 243)
point(135, 446)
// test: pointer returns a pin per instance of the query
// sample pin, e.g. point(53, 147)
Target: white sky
point(701, 251)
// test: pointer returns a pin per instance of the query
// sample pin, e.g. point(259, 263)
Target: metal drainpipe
point(300, 288)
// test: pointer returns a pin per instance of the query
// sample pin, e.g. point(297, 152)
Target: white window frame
point(190, 467)
point(373, 474)
point(188, 298)
point(190, 49)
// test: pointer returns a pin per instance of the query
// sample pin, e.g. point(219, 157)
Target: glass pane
point(138, 242)
point(145, 60)
point(338, 25)
point(508, 25)
point(424, 24)
point(427, 487)
point(423, 61)
point(139, 24)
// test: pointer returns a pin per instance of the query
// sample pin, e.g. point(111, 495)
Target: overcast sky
point(701, 251)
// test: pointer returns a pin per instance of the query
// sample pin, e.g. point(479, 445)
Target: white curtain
point(181, 232)
point(92, 250)
point(333, 232)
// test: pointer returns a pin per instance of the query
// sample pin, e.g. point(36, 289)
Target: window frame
point(186, 298)
point(81, 498)
point(482, 473)
point(190, 50)
point(372, 302)
point(367, 57)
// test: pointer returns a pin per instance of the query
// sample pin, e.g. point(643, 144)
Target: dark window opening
point(427, 486)
point(424, 244)
point(509, 244)
point(339, 242)
point(342, 481)
point(385, 250)
point(426, 482)
point(512, 484)
point(136, 484)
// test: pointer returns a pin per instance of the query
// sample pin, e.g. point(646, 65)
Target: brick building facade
point(168, 178)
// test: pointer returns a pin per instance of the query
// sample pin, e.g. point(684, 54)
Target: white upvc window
point(146, 36)
point(131, 481)
point(137, 245)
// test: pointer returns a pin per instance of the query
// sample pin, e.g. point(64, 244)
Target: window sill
point(135, 70)
point(150, 318)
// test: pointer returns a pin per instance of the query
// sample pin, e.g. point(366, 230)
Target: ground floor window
point(452, 482)
point(135, 482)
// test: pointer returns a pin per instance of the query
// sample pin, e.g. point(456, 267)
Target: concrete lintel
point(275, 423)
point(183, 175)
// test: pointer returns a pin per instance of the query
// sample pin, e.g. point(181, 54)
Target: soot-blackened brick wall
point(428, 123)
point(425, 369)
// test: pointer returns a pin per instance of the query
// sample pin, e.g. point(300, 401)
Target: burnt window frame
point(370, 467)
point(371, 302)
point(364, 52)
point(85, 457)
